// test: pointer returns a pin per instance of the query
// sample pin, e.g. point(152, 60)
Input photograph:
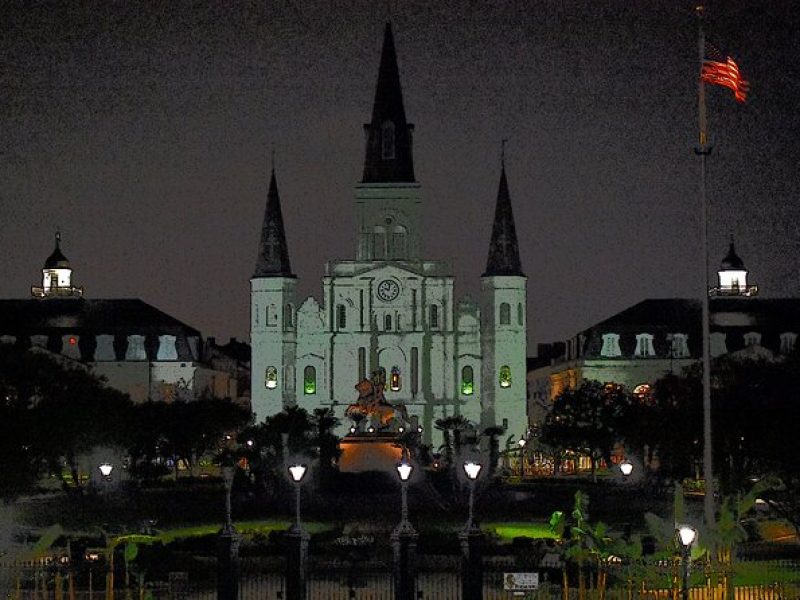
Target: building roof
point(503, 248)
point(128, 316)
point(273, 251)
point(660, 317)
point(396, 166)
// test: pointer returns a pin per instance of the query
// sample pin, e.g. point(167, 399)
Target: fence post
point(297, 563)
point(471, 564)
point(228, 564)
point(404, 546)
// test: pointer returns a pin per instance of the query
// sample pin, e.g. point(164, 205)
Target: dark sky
point(144, 131)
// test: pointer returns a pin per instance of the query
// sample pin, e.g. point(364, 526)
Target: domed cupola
point(56, 276)
point(733, 276)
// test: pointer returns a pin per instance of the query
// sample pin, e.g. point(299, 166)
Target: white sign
point(520, 581)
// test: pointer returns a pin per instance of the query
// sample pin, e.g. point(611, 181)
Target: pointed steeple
point(389, 137)
point(503, 249)
point(273, 253)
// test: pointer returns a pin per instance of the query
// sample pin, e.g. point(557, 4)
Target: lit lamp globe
point(522, 442)
point(472, 469)
point(105, 469)
point(404, 470)
point(626, 468)
point(297, 472)
point(687, 535)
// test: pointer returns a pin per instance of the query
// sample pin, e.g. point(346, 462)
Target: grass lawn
point(763, 572)
point(244, 527)
point(508, 531)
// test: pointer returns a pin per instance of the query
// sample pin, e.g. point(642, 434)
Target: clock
point(388, 290)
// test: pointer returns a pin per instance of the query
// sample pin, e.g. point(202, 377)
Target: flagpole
point(703, 150)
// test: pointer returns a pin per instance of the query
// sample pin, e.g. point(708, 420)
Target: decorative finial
point(58, 237)
point(503, 152)
point(272, 157)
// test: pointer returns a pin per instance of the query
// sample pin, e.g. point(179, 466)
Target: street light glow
point(105, 469)
point(687, 535)
point(626, 467)
point(297, 472)
point(522, 442)
point(404, 470)
point(472, 469)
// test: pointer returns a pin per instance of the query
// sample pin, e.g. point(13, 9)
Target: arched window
point(505, 376)
point(288, 317)
point(399, 249)
point(644, 345)
point(467, 381)
point(379, 243)
point(394, 380)
point(309, 380)
point(434, 316)
point(520, 315)
point(272, 315)
point(387, 323)
point(271, 378)
point(610, 345)
point(788, 341)
point(752, 338)
point(505, 314)
point(387, 140)
point(341, 316)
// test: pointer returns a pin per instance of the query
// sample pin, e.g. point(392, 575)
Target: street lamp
point(227, 478)
point(297, 471)
point(404, 470)
point(472, 470)
point(687, 535)
point(521, 443)
point(105, 470)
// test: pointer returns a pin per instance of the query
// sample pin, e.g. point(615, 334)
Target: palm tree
point(493, 433)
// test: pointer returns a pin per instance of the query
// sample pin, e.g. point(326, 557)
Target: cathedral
point(389, 308)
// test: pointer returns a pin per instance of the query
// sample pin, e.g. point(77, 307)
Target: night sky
point(144, 131)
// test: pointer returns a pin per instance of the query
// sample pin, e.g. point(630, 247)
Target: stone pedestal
point(471, 563)
point(296, 563)
point(404, 546)
point(228, 564)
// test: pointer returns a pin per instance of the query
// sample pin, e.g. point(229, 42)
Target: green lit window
point(505, 376)
point(309, 380)
point(271, 378)
point(467, 381)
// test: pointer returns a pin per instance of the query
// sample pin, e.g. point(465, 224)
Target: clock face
point(388, 290)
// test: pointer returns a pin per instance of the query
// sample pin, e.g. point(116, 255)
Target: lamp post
point(471, 542)
point(404, 541)
point(521, 443)
point(228, 545)
point(297, 561)
point(687, 536)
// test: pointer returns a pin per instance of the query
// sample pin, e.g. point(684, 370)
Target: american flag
point(719, 69)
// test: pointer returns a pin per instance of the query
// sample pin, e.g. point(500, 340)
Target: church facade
point(389, 308)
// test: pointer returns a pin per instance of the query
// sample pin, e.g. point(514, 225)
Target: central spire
point(389, 137)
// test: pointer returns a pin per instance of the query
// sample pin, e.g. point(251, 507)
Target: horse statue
point(372, 403)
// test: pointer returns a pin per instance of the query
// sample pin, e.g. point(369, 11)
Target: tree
point(666, 425)
point(53, 415)
point(587, 420)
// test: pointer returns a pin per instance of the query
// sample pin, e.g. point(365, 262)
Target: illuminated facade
point(389, 307)
point(654, 337)
point(137, 348)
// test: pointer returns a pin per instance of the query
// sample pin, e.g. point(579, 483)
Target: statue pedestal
point(369, 452)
